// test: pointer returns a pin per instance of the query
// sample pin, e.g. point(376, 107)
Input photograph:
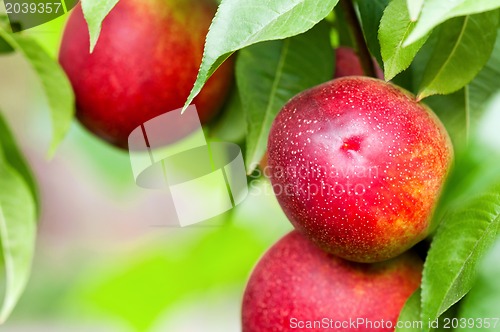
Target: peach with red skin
point(358, 166)
point(144, 64)
point(347, 63)
point(296, 281)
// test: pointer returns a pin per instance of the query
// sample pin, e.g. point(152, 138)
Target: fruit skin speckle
point(358, 165)
point(297, 280)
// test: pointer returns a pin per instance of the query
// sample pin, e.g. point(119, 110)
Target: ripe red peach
point(144, 64)
point(358, 165)
point(298, 287)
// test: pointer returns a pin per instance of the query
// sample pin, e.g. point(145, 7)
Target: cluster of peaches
point(357, 164)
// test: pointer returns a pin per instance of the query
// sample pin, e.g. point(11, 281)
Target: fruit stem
point(355, 25)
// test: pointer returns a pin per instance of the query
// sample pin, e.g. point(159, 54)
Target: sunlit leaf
point(463, 48)
point(17, 235)
point(394, 28)
point(55, 84)
point(241, 23)
point(414, 8)
point(462, 240)
point(435, 12)
point(95, 11)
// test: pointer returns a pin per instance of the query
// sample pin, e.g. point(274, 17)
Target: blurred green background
point(101, 264)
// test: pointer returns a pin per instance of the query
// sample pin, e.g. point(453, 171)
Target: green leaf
point(435, 12)
point(458, 246)
point(17, 235)
point(241, 23)
point(486, 83)
point(269, 74)
point(414, 8)
point(394, 28)
point(410, 314)
point(409, 318)
point(461, 111)
point(4, 22)
point(55, 84)
point(482, 301)
point(232, 124)
point(452, 110)
point(371, 12)
point(5, 47)
point(5, 25)
point(15, 159)
point(463, 48)
point(95, 11)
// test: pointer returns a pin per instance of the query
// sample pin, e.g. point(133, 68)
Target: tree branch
point(363, 52)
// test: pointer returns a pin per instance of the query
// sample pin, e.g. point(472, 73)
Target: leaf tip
point(388, 76)
point(390, 69)
point(194, 92)
point(414, 16)
point(184, 108)
point(92, 46)
point(251, 167)
point(94, 37)
point(423, 94)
